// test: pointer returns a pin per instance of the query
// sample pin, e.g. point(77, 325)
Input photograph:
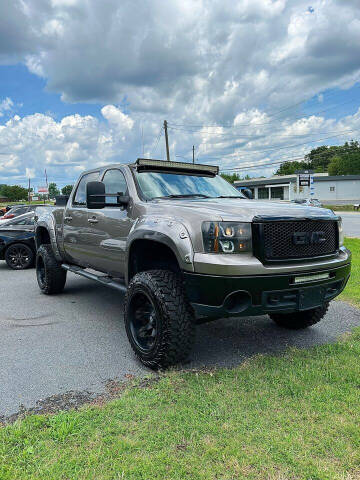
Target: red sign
point(43, 190)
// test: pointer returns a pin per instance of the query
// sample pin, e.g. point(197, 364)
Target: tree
point(14, 193)
point(289, 168)
point(320, 159)
point(348, 164)
point(231, 178)
point(67, 189)
point(53, 190)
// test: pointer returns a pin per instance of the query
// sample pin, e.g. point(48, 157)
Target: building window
point(263, 193)
point(277, 193)
point(332, 189)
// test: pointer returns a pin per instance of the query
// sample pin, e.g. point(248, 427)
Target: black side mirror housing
point(95, 195)
point(248, 193)
point(61, 200)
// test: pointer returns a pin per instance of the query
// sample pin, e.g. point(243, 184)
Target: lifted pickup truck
point(185, 246)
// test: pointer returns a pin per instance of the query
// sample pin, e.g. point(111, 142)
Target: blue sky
point(89, 83)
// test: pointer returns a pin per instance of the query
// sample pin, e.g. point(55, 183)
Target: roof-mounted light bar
point(149, 164)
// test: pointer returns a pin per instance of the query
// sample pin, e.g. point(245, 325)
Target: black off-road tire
point(50, 276)
point(24, 253)
point(175, 332)
point(299, 320)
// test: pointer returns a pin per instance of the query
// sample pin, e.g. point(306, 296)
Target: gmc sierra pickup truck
point(185, 247)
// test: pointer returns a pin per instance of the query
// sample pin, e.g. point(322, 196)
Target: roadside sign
point(304, 179)
point(44, 190)
point(34, 198)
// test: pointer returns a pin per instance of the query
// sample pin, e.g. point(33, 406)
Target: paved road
point(351, 223)
point(76, 341)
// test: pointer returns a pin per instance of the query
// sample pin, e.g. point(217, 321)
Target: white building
point(340, 189)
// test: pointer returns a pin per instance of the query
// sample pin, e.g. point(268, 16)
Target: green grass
point(285, 417)
point(294, 416)
point(352, 290)
point(37, 202)
point(342, 208)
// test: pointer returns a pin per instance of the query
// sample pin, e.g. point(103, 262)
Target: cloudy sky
point(250, 82)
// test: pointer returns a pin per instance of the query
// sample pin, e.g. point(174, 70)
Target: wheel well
point(42, 237)
point(151, 255)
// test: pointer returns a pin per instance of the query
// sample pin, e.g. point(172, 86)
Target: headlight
point(341, 233)
point(226, 237)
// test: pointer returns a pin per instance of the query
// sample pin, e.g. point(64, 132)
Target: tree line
point(335, 160)
point(15, 193)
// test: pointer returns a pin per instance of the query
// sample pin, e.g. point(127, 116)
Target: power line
point(284, 160)
point(259, 136)
point(286, 146)
point(263, 123)
point(157, 142)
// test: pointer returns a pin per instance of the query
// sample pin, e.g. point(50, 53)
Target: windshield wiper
point(185, 195)
point(229, 196)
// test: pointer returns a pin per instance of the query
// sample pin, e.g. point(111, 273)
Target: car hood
point(236, 209)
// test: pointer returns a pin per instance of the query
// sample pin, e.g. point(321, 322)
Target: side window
point(22, 221)
point(115, 182)
point(80, 195)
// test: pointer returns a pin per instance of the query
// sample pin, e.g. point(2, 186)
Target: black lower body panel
point(220, 296)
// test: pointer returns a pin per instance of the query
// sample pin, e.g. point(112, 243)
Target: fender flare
point(169, 232)
point(51, 231)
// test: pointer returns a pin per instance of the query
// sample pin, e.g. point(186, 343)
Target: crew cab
point(185, 246)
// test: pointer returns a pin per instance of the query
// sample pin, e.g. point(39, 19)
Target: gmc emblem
point(308, 238)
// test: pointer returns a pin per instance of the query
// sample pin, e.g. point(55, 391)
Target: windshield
point(161, 184)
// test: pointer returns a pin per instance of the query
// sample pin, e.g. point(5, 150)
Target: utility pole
point(166, 141)
point(47, 184)
point(193, 153)
point(142, 140)
point(29, 191)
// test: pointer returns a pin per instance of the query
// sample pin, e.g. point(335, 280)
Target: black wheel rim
point(19, 256)
point(143, 321)
point(40, 271)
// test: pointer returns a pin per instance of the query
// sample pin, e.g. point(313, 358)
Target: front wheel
point(19, 256)
point(158, 318)
point(299, 320)
point(50, 275)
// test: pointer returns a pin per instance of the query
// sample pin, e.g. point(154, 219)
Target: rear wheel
point(19, 256)
point(50, 276)
point(158, 318)
point(299, 320)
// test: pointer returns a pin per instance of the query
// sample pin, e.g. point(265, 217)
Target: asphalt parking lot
point(68, 348)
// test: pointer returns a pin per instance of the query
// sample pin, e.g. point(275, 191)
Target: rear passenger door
point(77, 230)
point(110, 227)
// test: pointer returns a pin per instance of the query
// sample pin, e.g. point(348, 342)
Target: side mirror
point(95, 195)
point(248, 193)
point(97, 198)
point(61, 200)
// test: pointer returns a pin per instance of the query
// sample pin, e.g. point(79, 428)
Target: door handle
point(67, 219)
point(93, 220)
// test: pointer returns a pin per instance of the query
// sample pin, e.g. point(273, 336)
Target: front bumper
point(233, 296)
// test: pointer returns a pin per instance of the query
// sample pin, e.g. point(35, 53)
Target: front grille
point(300, 239)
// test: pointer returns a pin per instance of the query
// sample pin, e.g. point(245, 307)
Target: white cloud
point(35, 142)
point(189, 61)
point(116, 118)
point(6, 105)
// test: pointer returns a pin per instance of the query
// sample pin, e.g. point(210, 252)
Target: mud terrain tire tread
point(174, 312)
point(55, 276)
point(300, 320)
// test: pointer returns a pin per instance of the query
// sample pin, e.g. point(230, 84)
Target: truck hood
point(236, 209)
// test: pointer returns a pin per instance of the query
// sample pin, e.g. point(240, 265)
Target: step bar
point(104, 280)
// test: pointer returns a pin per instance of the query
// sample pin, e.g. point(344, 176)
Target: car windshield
point(173, 185)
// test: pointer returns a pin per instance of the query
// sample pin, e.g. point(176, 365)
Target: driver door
point(110, 227)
